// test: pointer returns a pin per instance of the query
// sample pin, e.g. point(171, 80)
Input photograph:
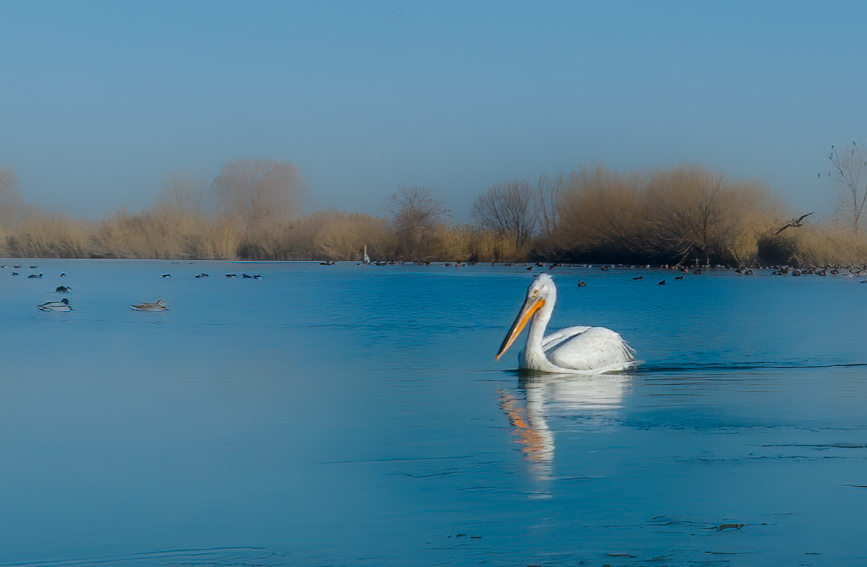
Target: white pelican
point(62, 305)
point(158, 305)
point(574, 349)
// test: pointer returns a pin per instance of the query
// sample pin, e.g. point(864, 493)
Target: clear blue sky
point(100, 101)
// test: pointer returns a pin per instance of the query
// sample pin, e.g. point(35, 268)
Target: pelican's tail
point(628, 352)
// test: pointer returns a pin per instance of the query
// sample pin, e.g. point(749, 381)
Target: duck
point(62, 305)
point(63, 289)
point(158, 305)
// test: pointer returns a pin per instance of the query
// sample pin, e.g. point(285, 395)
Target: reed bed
point(677, 216)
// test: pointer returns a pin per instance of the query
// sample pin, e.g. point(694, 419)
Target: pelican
point(158, 305)
point(585, 350)
point(62, 305)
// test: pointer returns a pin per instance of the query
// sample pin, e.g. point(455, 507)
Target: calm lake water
point(354, 415)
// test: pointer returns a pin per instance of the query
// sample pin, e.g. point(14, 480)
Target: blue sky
point(101, 101)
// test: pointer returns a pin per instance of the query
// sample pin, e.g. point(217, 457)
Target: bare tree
point(507, 209)
point(848, 175)
point(259, 194)
point(183, 194)
point(549, 199)
point(415, 215)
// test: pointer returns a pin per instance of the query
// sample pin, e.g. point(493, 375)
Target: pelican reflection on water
point(572, 350)
point(547, 397)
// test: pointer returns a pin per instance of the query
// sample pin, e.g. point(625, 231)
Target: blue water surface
point(355, 415)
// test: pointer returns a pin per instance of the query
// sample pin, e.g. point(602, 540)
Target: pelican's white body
point(583, 349)
point(571, 350)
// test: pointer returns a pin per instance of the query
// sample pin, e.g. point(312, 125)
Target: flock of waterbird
point(577, 349)
point(63, 304)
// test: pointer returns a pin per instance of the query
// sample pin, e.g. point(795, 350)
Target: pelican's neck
point(538, 324)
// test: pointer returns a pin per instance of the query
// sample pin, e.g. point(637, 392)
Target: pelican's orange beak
point(527, 311)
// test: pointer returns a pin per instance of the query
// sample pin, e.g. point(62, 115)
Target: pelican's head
point(542, 291)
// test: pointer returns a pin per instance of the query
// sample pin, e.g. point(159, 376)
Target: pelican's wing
point(558, 337)
point(590, 348)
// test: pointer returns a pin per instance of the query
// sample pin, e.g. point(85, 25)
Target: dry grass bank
point(675, 216)
point(825, 244)
point(664, 217)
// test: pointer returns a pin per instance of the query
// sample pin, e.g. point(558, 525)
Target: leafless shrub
point(601, 211)
point(693, 212)
point(184, 196)
point(258, 195)
point(508, 209)
point(415, 216)
point(669, 216)
point(549, 199)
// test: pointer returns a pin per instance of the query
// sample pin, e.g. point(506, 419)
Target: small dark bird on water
point(581, 283)
point(661, 282)
point(63, 289)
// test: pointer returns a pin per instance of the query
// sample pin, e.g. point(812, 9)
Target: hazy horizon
point(104, 100)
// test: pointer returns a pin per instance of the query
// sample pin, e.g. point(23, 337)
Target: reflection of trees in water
point(540, 397)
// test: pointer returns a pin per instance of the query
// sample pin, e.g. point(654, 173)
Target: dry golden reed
point(675, 216)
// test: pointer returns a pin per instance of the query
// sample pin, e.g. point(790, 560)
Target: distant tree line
point(252, 210)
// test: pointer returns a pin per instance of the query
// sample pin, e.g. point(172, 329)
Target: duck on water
point(62, 305)
point(158, 305)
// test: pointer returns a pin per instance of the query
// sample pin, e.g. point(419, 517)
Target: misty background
point(105, 101)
